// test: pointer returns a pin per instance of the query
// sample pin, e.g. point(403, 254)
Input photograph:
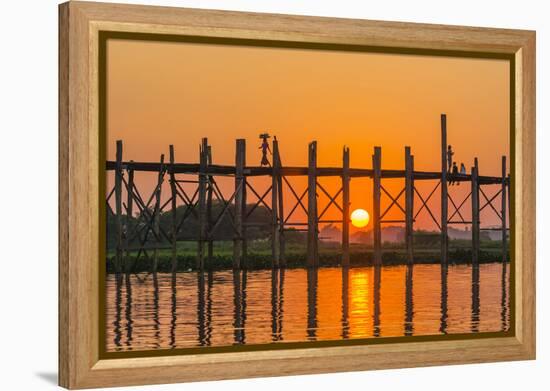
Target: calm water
point(224, 307)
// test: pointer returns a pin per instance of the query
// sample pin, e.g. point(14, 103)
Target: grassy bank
point(259, 256)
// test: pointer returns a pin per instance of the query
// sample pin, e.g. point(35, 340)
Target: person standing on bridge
point(462, 169)
point(265, 148)
point(454, 173)
point(450, 154)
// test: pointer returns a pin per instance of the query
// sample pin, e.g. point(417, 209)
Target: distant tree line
point(259, 228)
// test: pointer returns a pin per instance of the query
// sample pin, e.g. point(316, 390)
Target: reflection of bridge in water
point(248, 307)
point(146, 235)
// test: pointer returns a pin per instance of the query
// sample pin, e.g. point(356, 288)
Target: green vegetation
point(426, 245)
point(259, 220)
point(259, 255)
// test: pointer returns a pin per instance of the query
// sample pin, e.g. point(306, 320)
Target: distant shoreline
point(293, 261)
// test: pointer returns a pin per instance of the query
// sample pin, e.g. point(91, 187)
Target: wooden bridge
point(133, 237)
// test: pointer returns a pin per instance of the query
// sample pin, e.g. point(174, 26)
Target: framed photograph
point(247, 195)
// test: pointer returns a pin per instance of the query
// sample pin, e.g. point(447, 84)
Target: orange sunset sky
point(176, 93)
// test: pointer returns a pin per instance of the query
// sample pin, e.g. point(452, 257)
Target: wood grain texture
point(63, 220)
point(525, 196)
point(79, 168)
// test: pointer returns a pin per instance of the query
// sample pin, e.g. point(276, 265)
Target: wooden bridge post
point(129, 210)
point(345, 207)
point(277, 157)
point(475, 213)
point(409, 203)
point(239, 201)
point(118, 206)
point(312, 220)
point(203, 214)
point(444, 194)
point(244, 250)
point(156, 212)
point(173, 201)
point(275, 233)
point(209, 205)
point(503, 210)
point(377, 230)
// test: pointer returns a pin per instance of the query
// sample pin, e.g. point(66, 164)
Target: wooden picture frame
point(80, 363)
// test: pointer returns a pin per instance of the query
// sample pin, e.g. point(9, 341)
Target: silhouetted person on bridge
point(462, 169)
point(454, 173)
point(450, 154)
point(265, 148)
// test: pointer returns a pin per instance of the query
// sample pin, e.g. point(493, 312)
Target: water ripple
point(164, 311)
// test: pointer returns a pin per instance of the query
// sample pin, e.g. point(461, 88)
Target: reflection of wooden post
point(156, 212)
point(503, 209)
point(237, 305)
point(128, 307)
point(377, 230)
point(312, 221)
point(173, 311)
point(504, 297)
point(409, 304)
point(345, 208)
point(475, 213)
point(377, 282)
point(239, 200)
point(129, 211)
point(208, 309)
point(118, 206)
point(345, 303)
point(201, 304)
point(174, 195)
point(275, 232)
point(203, 214)
point(444, 310)
point(312, 281)
point(475, 299)
point(209, 205)
point(409, 203)
point(275, 310)
point(118, 311)
point(444, 196)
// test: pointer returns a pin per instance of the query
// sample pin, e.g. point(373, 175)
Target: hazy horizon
point(177, 93)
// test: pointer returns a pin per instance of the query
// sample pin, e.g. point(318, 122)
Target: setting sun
point(360, 218)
